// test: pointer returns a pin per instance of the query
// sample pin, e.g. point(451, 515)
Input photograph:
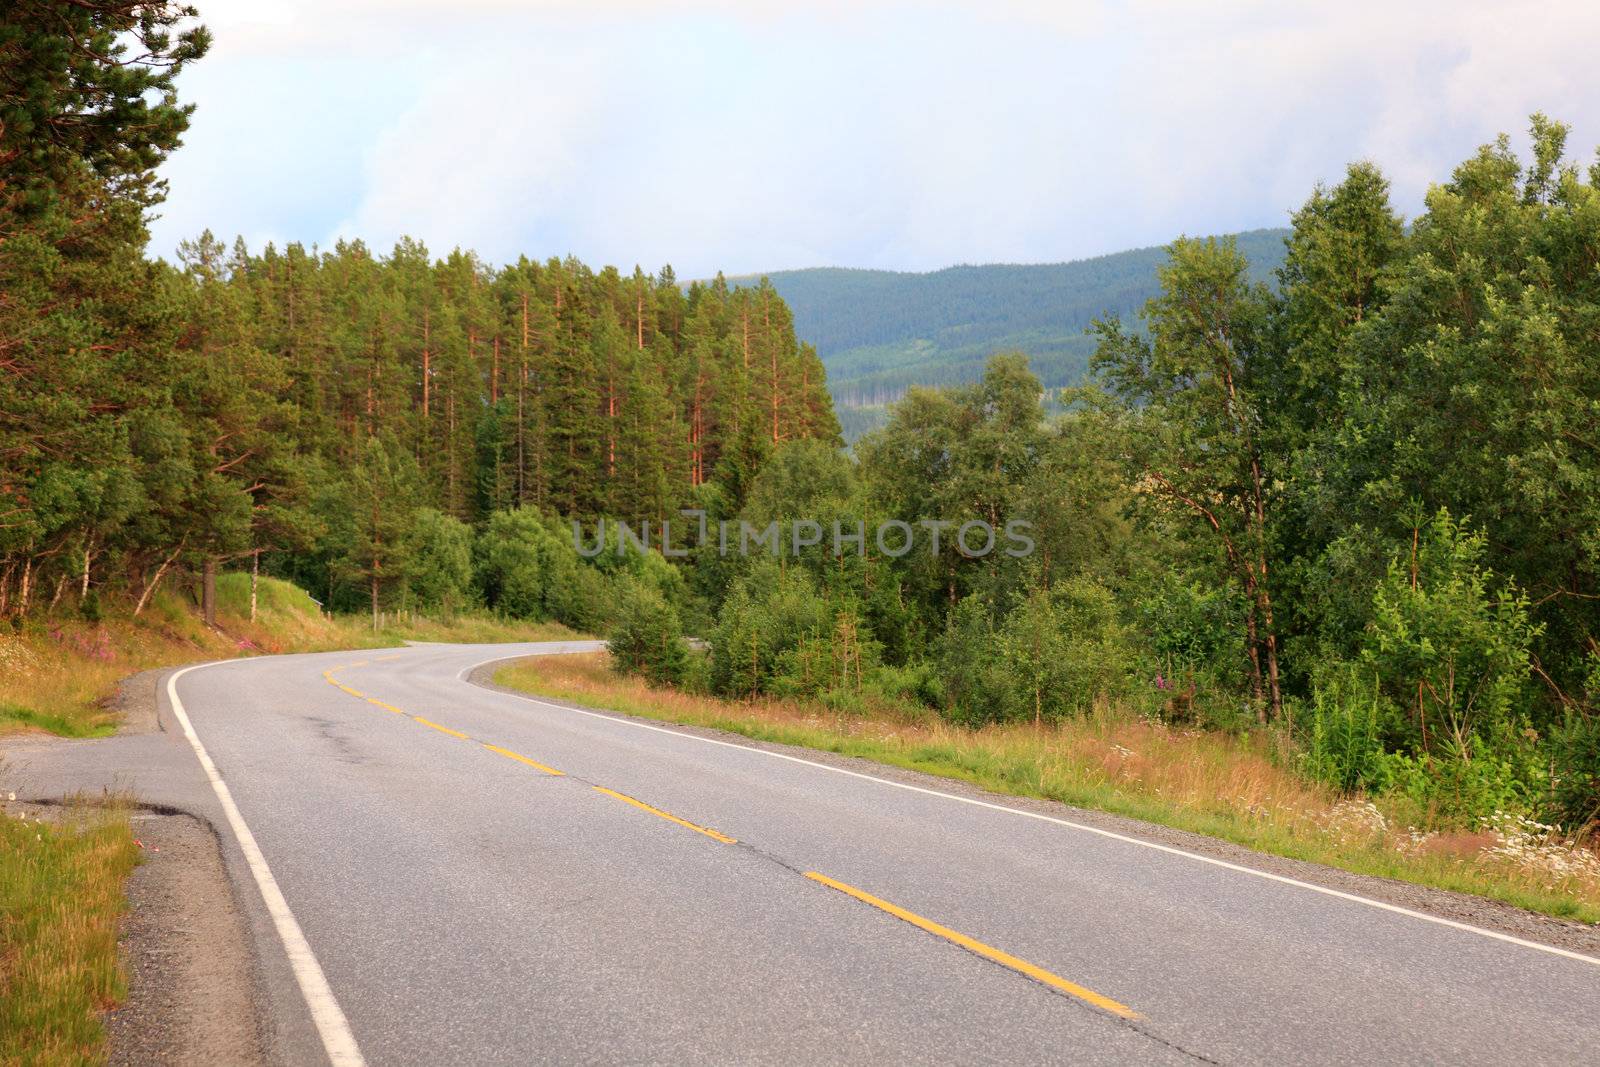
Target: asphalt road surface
point(477, 877)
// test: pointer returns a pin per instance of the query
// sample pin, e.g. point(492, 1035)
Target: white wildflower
point(1352, 822)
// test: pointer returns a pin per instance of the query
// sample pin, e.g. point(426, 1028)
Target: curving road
point(485, 878)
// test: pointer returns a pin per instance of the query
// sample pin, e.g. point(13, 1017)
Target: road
point(484, 878)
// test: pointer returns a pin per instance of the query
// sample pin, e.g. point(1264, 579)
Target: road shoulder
point(184, 944)
point(191, 995)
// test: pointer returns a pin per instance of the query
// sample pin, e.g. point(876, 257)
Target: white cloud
point(715, 133)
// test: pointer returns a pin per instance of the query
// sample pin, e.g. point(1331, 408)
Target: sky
point(749, 136)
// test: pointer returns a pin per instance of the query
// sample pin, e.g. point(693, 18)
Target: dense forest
point(344, 412)
point(880, 332)
point(1354, 511)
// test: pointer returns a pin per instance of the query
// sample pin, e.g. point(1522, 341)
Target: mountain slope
point(879, 332)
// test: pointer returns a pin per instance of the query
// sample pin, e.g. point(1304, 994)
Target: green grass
point(60, 901)
point(62, 725)
point(1219, 786)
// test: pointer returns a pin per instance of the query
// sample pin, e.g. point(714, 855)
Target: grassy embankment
point(60, 899)
point(1237, 789)
point(56, 675)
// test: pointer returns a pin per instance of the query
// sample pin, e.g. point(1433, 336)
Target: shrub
point(977, 686)
point(1575, 771)
point(917, 683)
point(1447, 646)
point(1455, 789)
point(440, 568)
point(1343, 736)
point(763, 629)
point(1055, 653)
point(516, 559)
point(648, 638)
point(1065, 649)
point(581, 597)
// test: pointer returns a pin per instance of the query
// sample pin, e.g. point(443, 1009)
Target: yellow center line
point(642, 806)
point(508, 754)
point(1005, 959)
point(441, 729)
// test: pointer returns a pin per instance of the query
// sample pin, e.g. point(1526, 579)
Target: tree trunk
point(611, 421)
point(450, 457)
point(1253, 644)
point(208, 590)
point(774, 394)
point(144, 597)
point(255, 578)
point(522, 419)
point(1274, 693)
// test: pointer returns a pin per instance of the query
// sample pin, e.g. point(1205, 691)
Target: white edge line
point(332, 1026)
point(621, 717)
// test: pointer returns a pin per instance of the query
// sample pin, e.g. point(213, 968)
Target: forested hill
point(881, 331)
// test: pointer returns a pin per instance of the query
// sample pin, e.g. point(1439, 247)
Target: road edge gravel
point(185, 952)
point(1459, 907)
point(186, 946)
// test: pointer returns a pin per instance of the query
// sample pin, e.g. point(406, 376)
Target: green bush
point(766, 633)
point(1193, 630)
point(581, 597)
point(1575, 771)
point(1066, 649)
point(1343, 736)
point(439, 570)
point(528, 567)
point(1448, 644)
point(917, 683)
point(977, 683)
point(1453, 789)
point(1055, 653)
point(516, 560)
point(648, 638)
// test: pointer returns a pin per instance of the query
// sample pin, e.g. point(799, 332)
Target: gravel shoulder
point(185, 953)
point(1446, 904)
point(186, 949)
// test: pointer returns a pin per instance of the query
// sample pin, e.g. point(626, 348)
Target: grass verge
point(60, 899)
point(1219, 785)
point(57, 674)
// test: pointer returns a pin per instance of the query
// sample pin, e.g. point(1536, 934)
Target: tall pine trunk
point(208, 590)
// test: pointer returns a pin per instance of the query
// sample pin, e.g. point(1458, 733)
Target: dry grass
point(56, 675)
point(60, 899)
point(1242, 790)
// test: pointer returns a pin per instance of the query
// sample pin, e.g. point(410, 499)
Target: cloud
point(748, 136)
